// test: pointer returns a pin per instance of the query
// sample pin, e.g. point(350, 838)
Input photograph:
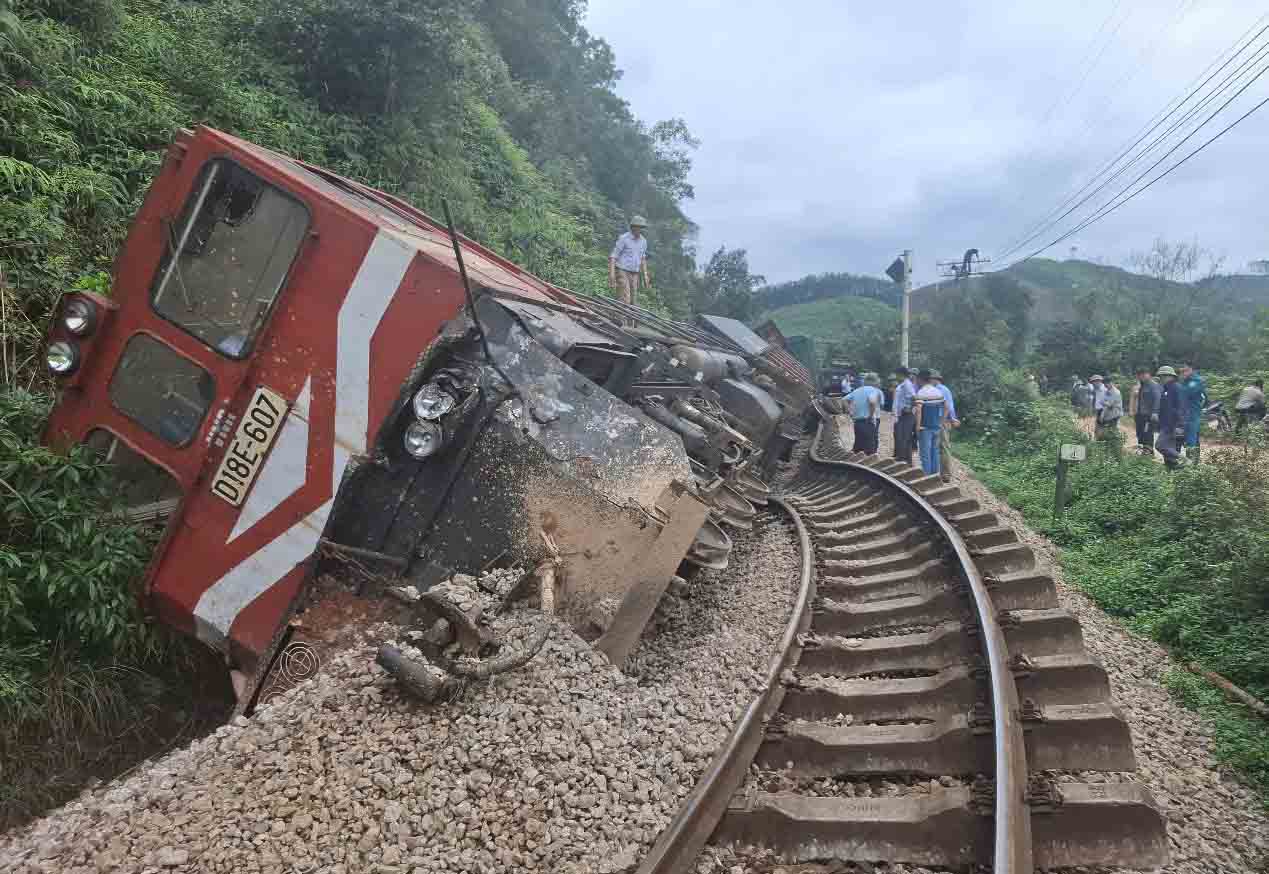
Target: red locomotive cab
point(264, 317)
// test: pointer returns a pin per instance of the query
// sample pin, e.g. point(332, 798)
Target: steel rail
point(1012, 849)
point(679, 843)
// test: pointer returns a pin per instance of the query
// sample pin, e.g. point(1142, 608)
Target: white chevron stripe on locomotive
point(368, 298)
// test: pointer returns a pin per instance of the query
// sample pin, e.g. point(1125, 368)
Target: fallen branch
point(1230, 689)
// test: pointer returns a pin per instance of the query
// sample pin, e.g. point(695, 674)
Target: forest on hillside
point(505, 107)
point(1172, 303)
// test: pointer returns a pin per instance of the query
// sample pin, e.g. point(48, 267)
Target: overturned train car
point(289, 368)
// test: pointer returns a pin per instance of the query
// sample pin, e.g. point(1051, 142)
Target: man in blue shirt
point(864, 404)
point(629, 261)
point(950, 421)
point(904, 422)
point(929, 419)
point(1193, 401)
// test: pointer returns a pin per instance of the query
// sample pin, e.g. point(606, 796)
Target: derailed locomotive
point(290, 366)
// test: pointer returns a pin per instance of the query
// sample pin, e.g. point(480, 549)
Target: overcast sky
point(836, 133)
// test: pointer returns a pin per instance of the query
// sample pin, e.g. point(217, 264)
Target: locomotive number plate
point(251, 443)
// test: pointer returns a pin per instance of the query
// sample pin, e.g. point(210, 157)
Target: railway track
point(925, 650)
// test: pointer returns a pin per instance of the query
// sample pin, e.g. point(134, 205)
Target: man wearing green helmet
point(1170, 418)
point(629, 261)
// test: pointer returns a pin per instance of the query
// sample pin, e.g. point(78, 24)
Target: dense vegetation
point(1068, 317)
point(1182, 558)
point(504, 107)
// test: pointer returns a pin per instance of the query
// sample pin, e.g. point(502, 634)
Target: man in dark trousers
point(865, 409)
point(1170, 419)
point(904, 421)
point(1193, 402)
point(1147, 410)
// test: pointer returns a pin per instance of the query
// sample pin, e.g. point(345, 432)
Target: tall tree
point(726, 287)
point(1188, 304)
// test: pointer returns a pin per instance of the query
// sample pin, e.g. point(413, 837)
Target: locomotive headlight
point(422, 439)
point(62, 357)
point(79, 316)
point(431, 402)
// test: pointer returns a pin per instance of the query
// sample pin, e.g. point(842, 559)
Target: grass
point(1178, 557)
point(83, 721)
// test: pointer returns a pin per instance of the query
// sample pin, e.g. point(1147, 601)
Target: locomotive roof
point(430, 237)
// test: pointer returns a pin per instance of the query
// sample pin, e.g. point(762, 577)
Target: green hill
point(1082, 290)
point(861, 330)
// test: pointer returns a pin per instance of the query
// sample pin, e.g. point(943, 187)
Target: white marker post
point(1068, 454)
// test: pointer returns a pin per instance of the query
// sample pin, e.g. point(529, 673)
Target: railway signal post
point(901, 272)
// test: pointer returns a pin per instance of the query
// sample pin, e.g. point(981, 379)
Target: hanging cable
point(1107, 210)
point(1227, 83)
point(1183, 9)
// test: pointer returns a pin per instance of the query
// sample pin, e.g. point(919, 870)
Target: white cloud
point(836, 133)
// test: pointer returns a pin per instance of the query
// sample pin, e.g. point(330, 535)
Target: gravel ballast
point(565, 765)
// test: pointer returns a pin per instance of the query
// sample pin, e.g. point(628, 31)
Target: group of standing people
point(1101, 400)
point(1167, 409)
point(924, 412)
point(1169, 416)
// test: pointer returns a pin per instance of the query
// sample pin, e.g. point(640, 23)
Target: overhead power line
point(1112, 206)
point(1228, 83)
point(1063, 97)
point(1134, 68)
point(1049, 218)
point(1074, 200)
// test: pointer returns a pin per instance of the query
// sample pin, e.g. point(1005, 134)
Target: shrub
point(1183, 557)
point(67, 562)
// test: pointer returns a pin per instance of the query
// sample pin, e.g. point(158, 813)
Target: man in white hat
point(629, 261)
point(1097, 397)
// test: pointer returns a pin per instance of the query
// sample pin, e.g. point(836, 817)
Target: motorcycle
point(1218, 419)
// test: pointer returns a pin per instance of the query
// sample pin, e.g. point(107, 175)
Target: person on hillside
point(629, 261)
point(1077, 394)
point(865, 409)
point(1193, 401)
point(1109, 415)
point(1033, 387)
point(1170, 419)
point(1250, 405)
point(928, 413)
point(1097, 389)
point(950, 421)
point(1146, 412)
point(904, 420)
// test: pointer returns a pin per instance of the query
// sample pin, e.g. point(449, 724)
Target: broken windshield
point(236, 238)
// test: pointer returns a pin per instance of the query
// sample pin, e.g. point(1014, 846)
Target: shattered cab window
point(166, 393)
point(237, 238)
point(149, 492)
